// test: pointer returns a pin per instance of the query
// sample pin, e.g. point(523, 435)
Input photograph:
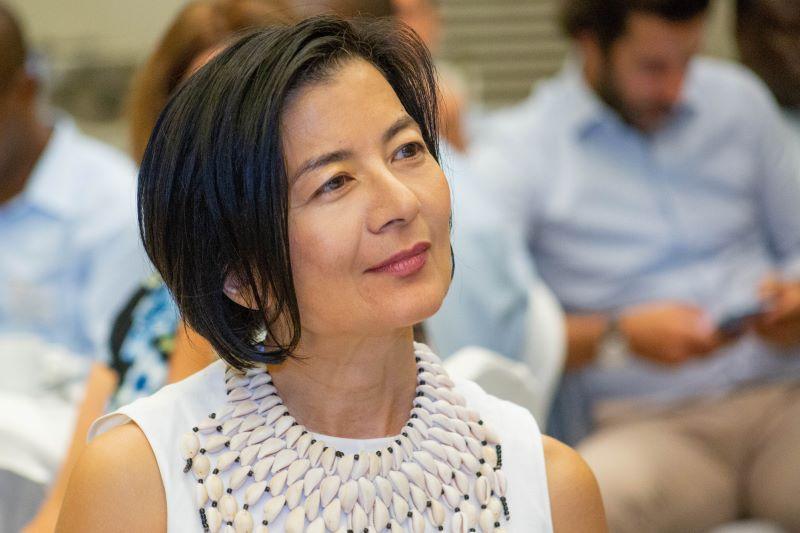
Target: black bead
point(483, 506)
point(484, 443)
point(398, 442)
point(390, 449)
point(466, 496)
point(264, 523)
point(212, 415)
point(195, 429)
point(215, 471)
point(188, 466)
point(417, 359)
point(497, 524)
point(228, 444)
point(409, 514)
point(250, 473)
point(355, 457)
point(457, 509)
point(245, 507)
point(482, 460)
point(313, 441)
point(428, 503)
point(378, 453)
point(229, 490)
point(202, 451)
point(219, 428)
point(237, 460)
point(422, 382)
point(213, 504)
point(480, 422)
point(405, 434)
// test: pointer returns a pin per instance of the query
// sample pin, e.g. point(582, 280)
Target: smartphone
point(733, 323)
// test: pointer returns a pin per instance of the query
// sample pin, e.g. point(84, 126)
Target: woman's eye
point(332, 184)
point(409, 150)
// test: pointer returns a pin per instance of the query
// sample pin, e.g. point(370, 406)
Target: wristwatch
point(612, 349)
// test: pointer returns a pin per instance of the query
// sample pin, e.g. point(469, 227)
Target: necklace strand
point(446, 459)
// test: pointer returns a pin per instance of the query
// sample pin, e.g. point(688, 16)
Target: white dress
point(165, 416)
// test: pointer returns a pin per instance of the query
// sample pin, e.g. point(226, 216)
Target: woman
point(292, 200)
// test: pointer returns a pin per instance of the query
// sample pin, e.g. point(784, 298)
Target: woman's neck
point(351, 388)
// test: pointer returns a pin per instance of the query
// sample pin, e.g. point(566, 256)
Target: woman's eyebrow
point(321, 161)
point(399, 125)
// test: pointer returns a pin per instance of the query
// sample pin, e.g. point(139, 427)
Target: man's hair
point(13, 48)
point(607, 19)
point(213, 190)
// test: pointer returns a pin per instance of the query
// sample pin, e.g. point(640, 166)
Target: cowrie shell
point(227, 508)
point(380, 514)
point(243, 523)
point(315, 451)
point(190, 445)
point(360, 466)
point(366, 493)
point(275, 413)
point(453, 457)
point(357, 521)
point(270, 446)
point(345, 466)
point(435, 449)
point(417, 522)
point(261, 378)
point(254, 493)
point(328, 460)
point(500, 483)
point(277, 482)
point(332, 514)
point(248, 455)
point(387, 463)
point(215, 443)
point(295, 521)
point(239, 394)
point(374, 466)
point(311, 505)
point(293, 494)
point(273, 508)
point(297, 469)
point(229, 426)
point(245, 408)
point(482, 490)
point(424, 458)
point(214, 520)
point(262, 467)
point(486, 520)
point(283, 459)
point(262, 392)
point(419, 498)
point(437, 513)
point(259, 435)
point(226, 460)
point(414, 473)
point(459, 523)
point(384, 490)
point(238, 441)
point(348, 494)
point(292, 434)
point(451, 496)
point(317, 526)
point(214, 488)
point(238, 477)
point(475, 447)
point(470, 463)
point(312, 479)
point(208, 425)
point(283, 424)
point(303, 443)
point(328, 489)
point(433, 485)
point(200, 495)
point(267, 404)
point(201, 466)
point(400, 482)
point(400, 507)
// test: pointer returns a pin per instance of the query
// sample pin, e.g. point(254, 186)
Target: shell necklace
point(446, 461)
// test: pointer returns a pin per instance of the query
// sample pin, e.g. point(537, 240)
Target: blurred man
point(69, 248)
point(768, 35)
point(660, 201)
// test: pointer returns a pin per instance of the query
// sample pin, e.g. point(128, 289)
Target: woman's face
point(369, 208)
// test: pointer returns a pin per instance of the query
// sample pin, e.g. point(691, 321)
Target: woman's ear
point(235, 292)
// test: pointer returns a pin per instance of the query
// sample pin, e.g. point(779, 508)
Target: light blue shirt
point(70, 254)
point(793, 121)
point(699, 212)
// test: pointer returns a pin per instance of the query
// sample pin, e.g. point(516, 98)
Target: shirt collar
point(589, 113)
point(48, 188)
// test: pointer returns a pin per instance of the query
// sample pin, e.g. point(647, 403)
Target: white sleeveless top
point(165, 416)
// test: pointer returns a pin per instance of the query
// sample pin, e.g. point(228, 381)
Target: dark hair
point(607, 19)
point(213, 191)
point(768, 36)
point(14, 48)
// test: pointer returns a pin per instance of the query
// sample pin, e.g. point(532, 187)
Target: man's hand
point(669, 333)
point(780, 325)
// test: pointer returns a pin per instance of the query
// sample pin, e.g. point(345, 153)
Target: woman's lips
point(404, 263)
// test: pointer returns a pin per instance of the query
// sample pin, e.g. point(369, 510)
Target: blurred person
point(149, 345)
point(70, 253)
point(659, 197)
point(768, 36)
point(315, 150)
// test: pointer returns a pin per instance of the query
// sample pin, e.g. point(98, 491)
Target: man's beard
point(608, 91)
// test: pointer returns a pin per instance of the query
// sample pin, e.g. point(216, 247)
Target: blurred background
point(500, 47)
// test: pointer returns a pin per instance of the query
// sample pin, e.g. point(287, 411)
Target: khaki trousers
point(701, 464)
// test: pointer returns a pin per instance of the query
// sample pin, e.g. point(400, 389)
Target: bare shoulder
point(115, 486)
point(574, 496)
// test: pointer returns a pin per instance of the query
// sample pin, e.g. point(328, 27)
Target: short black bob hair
point(608, 19)
point(213, 190)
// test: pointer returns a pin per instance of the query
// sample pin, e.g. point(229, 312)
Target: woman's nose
point(393, 202)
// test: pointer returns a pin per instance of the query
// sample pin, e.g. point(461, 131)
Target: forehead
point(353, 101)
